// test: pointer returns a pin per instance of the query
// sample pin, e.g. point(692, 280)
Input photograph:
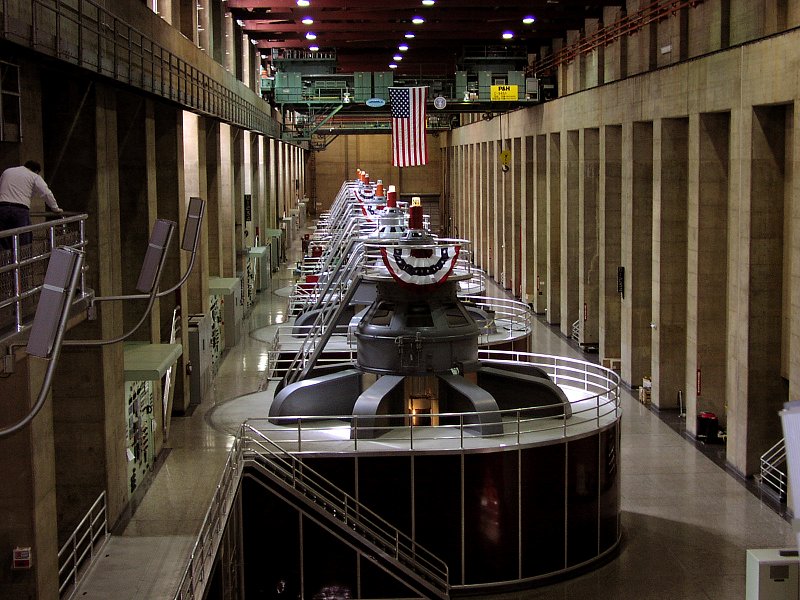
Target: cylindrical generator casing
point(416, 330)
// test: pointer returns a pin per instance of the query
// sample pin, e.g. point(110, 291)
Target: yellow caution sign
point(504, 92)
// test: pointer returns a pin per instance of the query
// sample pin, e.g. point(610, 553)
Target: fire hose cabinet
point(772, 574)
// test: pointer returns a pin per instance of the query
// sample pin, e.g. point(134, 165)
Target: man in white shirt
point(18, 185)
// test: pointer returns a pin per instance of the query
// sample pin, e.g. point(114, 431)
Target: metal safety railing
point(24, 256)
point(288, 470)
point(627, 25)
point(773, 468)
point(595, 402)
point(201, 561)
point(77, 554)
point(84, 33)
point(252, 446)
point(506, 320)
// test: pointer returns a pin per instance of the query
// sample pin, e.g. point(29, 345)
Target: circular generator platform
point(538, 499)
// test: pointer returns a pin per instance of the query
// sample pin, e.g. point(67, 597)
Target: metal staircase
point(378, 541)
point(332, 299)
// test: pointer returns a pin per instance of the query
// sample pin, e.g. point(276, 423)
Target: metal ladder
point(373, 537)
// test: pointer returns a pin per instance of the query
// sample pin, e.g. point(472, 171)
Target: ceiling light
point(313, 48)
point(417, 20)
point(240, 23)
point(397, 58)
point(303, 2)
point(409, 36)
point(428, 2)
point(507, 35)
point(528, 20)
point(311, 35)
point(308, 21)
point(402, 47)
point(392, 66)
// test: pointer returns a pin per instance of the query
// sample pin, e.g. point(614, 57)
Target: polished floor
point(687, 523)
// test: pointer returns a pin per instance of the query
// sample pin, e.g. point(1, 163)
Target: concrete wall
point(373, 154)
point(696, 197)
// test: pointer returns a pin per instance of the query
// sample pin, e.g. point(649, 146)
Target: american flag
point(409, 148)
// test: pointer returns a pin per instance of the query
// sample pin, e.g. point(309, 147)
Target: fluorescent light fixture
point(417, 20)
point(402, 47)
point(507, 35)
point(308, 21)
point(303, 2)
point(313, 48)
point(528, 20)
point(397, 58)
point(428, 2)
point(409, 36)
point(311, 35)
point(392, 66)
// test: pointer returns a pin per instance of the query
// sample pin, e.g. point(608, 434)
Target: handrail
point(398, 546)
point(83, 545)
point(771, 461)
point(599, 404)
point(199, 568)
point(22, 268)
point(330, 306)
point(92, 37)
point(627, 25)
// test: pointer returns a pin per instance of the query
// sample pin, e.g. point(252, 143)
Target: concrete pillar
point(195, 184)
point(204, 26)
point(588, 236)
point(486, 210)
point(171, 202)
point(473, 154)
point(237, 195)
point(707, 268)
point(670, 197)
point(540, 234)
point(793, 246)
point(509, 217)
point(642, 47)
point(591, 70)
point(272, 181)
point(553, 292)
point(89, 412)
point(571, 82)
point(570, 226)
point(226, 201)
point(483, 223)
point(615, 54)
point(230, 47)
point(28, 500)
point(496, 218)
point(262, 205)
point(672, 43)
point(517, 196)
point(247, 232)
point(709, 27)
point(214, 210)
point(759, 386)
point(637, 250)
point(137, 194)
point(610, 239)
point(528, 221)
point(748, 20)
